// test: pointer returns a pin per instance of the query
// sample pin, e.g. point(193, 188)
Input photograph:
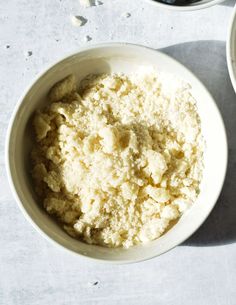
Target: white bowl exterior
point(115, 58)
point(192, 7)
point(231, 49)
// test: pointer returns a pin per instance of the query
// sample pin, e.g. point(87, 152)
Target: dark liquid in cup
point(178, 2)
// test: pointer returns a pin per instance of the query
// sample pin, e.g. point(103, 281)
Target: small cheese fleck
point(158, 194)
point(85, 3)
point(89, 3)
point(78, 20)
point(87, 38)
point(42, 126)
point(126, 15)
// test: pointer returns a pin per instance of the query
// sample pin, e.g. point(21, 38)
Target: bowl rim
point(230, 41)
point(8, 161)
point(184, 8)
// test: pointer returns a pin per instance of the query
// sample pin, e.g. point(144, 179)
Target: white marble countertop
point(202, 271)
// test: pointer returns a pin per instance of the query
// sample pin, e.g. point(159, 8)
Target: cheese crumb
point(87, 38)
point(78, 20)
point(89, 3)
point(85, 3)
point(126, 15)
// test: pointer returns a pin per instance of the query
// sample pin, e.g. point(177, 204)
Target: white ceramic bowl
point(231, 49)
point(191, 7)
point(114, 58)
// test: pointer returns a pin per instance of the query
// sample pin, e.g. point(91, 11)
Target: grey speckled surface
point(32, 271)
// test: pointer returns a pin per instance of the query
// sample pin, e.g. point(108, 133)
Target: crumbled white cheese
point(119, 161)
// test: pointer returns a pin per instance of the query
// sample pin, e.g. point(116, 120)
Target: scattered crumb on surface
point(85, 3)
point(97, 2)
point(92, 284)
point(89, 3)
point(78, 20)
point(8, 46)
point(126, 15)
point(87, 38)
point(28, 54)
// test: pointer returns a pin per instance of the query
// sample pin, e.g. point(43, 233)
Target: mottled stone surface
point(34, 34)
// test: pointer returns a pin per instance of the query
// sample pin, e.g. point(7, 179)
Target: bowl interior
point(115, 58)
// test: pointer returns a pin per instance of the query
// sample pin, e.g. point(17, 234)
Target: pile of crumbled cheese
point(119, 161)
